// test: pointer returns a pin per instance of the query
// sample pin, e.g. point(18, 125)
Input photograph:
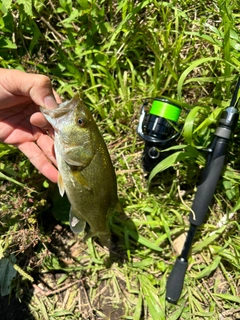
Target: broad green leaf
point(144, 263)
point(134, 234)
point(7, 147)
point(227, 25)
point(226, 254)
point(6, 5)
point(43, 309)
point(203, 80)
point(84, 4)
point(7, 43)
point(7, 273)
point(27, 5)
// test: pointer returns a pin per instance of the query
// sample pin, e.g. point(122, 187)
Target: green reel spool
point(165, 109)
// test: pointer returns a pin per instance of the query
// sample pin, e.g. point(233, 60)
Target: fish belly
point(93, 197)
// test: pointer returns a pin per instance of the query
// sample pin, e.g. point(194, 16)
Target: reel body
point(159, 129)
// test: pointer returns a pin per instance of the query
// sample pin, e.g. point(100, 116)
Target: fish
point(86, 172)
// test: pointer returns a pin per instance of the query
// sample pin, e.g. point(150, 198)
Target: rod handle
point(175, 280)
point(205, 191)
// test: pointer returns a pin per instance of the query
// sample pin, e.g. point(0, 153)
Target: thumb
point(35, 86)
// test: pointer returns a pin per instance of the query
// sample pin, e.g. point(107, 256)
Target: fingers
point(38, 120)
point(37, 87)
point(39, 160)
point(45, 143)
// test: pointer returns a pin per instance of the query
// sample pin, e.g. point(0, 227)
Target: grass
point(117, 53)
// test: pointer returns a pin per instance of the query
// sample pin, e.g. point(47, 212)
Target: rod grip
point(175, 280)
point(207, 187)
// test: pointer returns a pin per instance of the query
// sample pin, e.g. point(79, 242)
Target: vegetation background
point(116, 53)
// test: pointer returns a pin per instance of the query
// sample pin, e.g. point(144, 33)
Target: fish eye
point(81, 122)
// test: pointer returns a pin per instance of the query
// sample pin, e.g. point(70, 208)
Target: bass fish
point(86, 172)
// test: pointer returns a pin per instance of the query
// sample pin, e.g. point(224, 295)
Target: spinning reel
point(158, 127)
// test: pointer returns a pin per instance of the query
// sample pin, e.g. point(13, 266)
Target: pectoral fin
point(81, 179)
point(77, 225)
point(61, 185)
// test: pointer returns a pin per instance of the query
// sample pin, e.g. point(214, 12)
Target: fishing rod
point(205, 191)
point(158, 127)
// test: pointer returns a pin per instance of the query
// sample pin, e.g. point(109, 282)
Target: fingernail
point(50, 102)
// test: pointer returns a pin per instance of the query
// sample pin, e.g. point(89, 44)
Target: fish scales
point(86, 172)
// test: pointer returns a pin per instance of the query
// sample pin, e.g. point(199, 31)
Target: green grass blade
point(209, 240)
point(145, 242)
point(150, 294)
point(209, 269)
point(188, 125)
point(211, 119)
point(189, 69)
point(3, 176)
point(236, 207)
point(171, 160)
point(228, 297)
point(138, 310)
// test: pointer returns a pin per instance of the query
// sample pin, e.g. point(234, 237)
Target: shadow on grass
point(12, 309)
point(121, 226)
point(124, 239)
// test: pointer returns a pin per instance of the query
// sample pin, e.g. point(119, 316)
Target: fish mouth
point(63, 108)
point(67, 106)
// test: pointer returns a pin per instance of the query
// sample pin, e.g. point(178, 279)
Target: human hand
point(21, 123)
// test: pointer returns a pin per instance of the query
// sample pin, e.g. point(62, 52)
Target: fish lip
point(63, 108)
point(66, 107)
point(75, 100)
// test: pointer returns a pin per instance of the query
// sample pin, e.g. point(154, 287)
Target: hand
point(21, 123)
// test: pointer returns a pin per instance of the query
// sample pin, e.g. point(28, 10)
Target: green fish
point(86, 172)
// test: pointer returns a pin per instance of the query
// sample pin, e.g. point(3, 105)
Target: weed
point(115, 54)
